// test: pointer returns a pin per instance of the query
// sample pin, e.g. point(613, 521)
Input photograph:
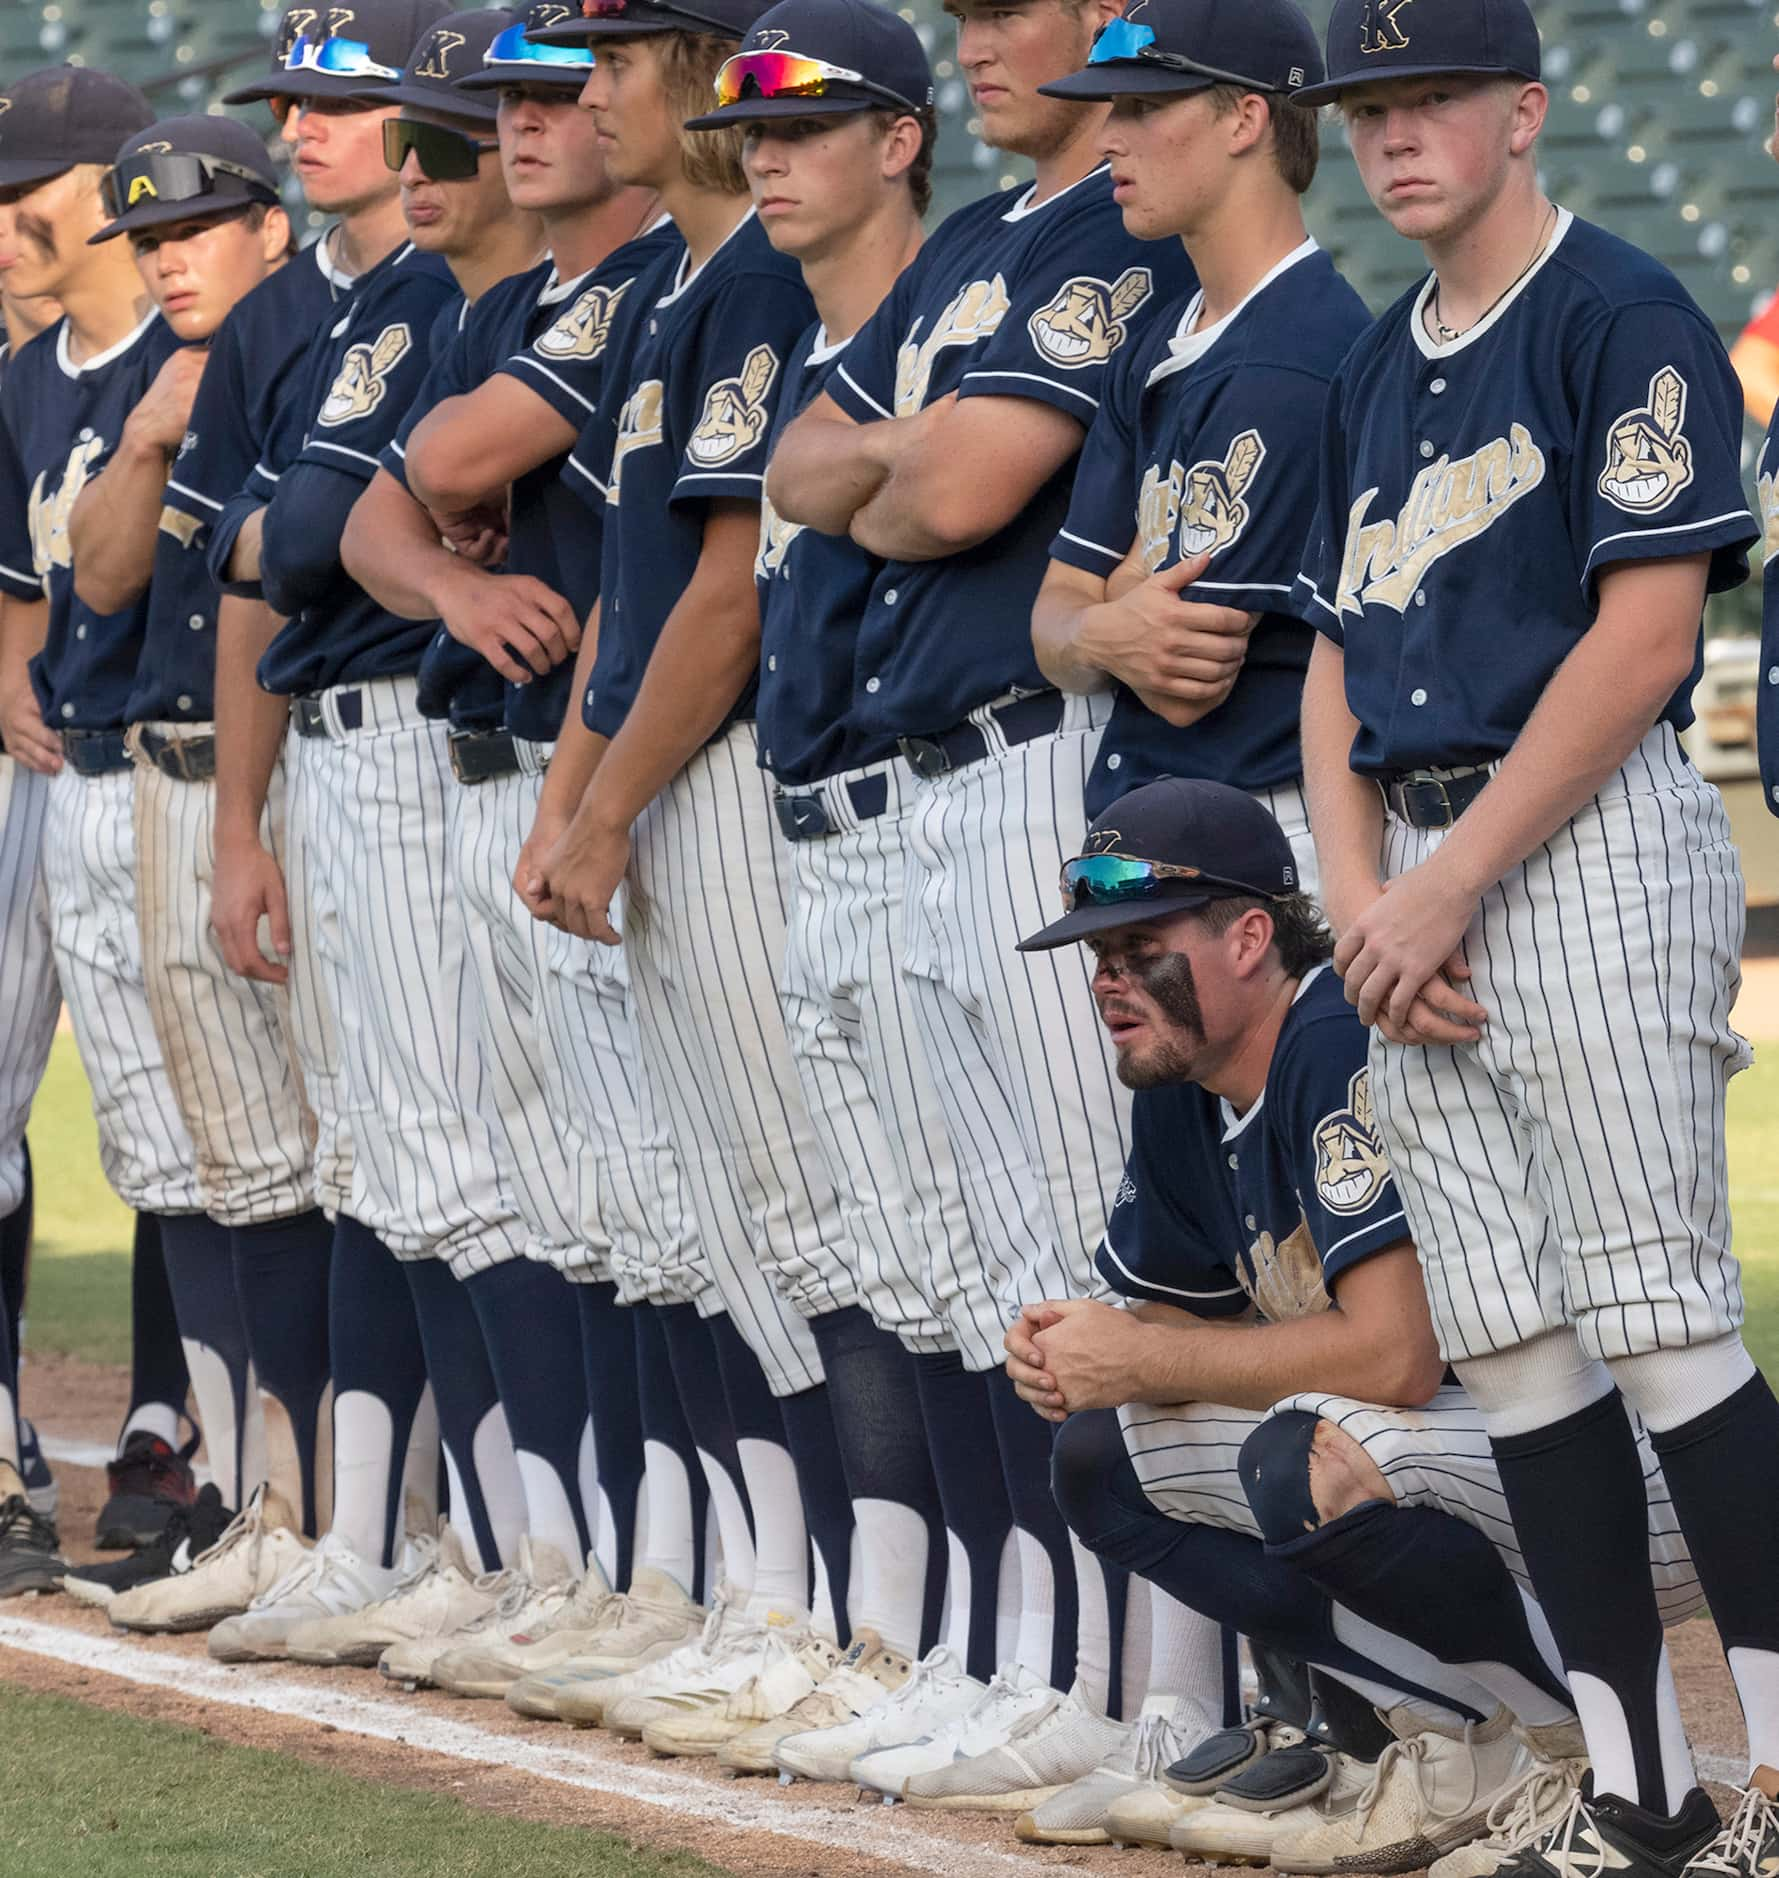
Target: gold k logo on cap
point(1382, 29)
point(437, 62)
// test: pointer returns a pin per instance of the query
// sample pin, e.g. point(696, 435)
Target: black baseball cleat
point(1748, 1847)
point(189, 1531)
point(1606, 1837)
point(146, 1481)
point(29, 1559)
point(40, 1484)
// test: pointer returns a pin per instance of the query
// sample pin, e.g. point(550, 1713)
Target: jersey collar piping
point(682, 279)
point(1234, 1125)
point(1417, 319)
point(1025, 205)
point(99, 360)
point(1187, 348)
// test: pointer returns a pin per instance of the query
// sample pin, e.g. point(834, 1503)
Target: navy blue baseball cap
point(335, 51)
point(1166, 848)
point(183, 169)
point(630, 19)
point(67, 114)
point(517, 58)
point(448, 53)
point(1373, 39)
point(821, 58)
point(1177, 46)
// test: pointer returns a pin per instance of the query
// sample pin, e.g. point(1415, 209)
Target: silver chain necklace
point(1447, 334)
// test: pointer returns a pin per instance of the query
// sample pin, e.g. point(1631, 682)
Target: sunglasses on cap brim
point(514, 47)
point(444, 156)
point(177, 177)
point(1127, 40)
point(1119, 880)
point(336, 58)
point(766, 76)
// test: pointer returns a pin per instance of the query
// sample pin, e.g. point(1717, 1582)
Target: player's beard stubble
point(1172, 989)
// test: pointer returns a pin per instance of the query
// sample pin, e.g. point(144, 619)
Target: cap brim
point(1081, 924)
point(297, 85)
point(1329, 91)
point(1125, 78)
point(755, 110)
point(164, 214)
point(584, 32)
point(526, 72)
point(22, 170)
point(443, 100)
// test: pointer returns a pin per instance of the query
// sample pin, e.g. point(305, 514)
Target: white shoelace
point(1412, 1754)
point(1151, 1746)
point(1514, 1818)
point(1736, 1849)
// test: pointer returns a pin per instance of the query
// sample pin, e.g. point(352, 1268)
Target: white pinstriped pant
point(225, 1039)
point(30, 997)
point(1037, 1117)
point(1437, 1457)
point(852, 1027)
point(89, 875)
point(706, 936)
point(1570, 1167)
point(368, 829)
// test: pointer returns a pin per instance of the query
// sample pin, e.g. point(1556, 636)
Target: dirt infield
point(479, 1752)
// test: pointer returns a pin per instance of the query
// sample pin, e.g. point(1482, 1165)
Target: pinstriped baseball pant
point(30, 997)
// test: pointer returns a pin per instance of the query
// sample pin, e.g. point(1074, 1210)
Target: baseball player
point(198, 202)
point(667, 733)
point(1021, 300)
point(65, 405)
point(1257, 1184)
point(1222, 399)
point(1767, 694)
point(833, 99)
point(598, 242)
point(1546, 433)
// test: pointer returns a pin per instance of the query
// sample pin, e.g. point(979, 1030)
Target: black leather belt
point(1020, 722)
point(1424, 799)
point(306, 712)
point(479, 756)
point(185, 759)
point(95, 752)
point(806, 818)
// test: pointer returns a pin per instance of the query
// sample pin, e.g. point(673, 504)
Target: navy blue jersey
point(254, 356)
point(361, 377)
point(61, 423)
point(813, 590)
point(1006, 300)
point(1766, 710)
point(1472, 493)
point(1207, 441)
point(1217, 1211)
point(702, 384)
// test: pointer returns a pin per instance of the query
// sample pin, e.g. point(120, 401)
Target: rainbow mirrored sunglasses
point(1119, 880)
point(763, 76)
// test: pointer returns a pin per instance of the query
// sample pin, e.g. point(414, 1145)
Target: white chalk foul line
point(877, 1831)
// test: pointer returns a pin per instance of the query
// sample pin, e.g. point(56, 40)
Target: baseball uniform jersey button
point(1773, 675)
point(67, 710)
point(1426, 447)
point(1437, 387)
point(874, 685)
point(1417, 697)
point(196, 622)
point(1420, 599)
point(1114, 762)
point(889, 598)
point(80, 631)
point(1234, 1161)
point(183, 701)
point(772, 663)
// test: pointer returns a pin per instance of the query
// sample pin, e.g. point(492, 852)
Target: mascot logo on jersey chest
point(49, 510)
point(181, 527)
point(363, 382)
point(1085, 323)
point(1382, 30)
point(735, 414)
point(1449, 504)
point(639, 426)
point(1284, 1276)
point(975, 314)
point(1648, 461)
point(582, 331)
point(1204, 503)
point(776, 536)
point(1768, 484)
point(435, 62)
point(1351, 1166)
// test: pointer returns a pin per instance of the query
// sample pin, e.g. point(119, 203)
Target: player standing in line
point(667, 738)
point(547, 584)
point(198, 201)
point(1201, 462)
point(1546, 434)
point(61, 711)
point(1767, 693)
point(943, 443)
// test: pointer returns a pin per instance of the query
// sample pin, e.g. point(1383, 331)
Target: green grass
point(89, 1794)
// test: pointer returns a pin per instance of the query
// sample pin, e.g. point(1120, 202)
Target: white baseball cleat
point(533, 1589)
point(936, 1692)
point(251, 1556)
point(1080, 1813)
point(328, 1582)
point(438, 1603)
point(746, 1653)
point(793, 1665)
point(1221, 1831)
point(1042, 1753)
point(634, 1628)
point(1534, 1804)
point(583, 1700)
point(491, 1665)
point(865, 1677)
point(1433, 1791)
point(1016, 1699)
